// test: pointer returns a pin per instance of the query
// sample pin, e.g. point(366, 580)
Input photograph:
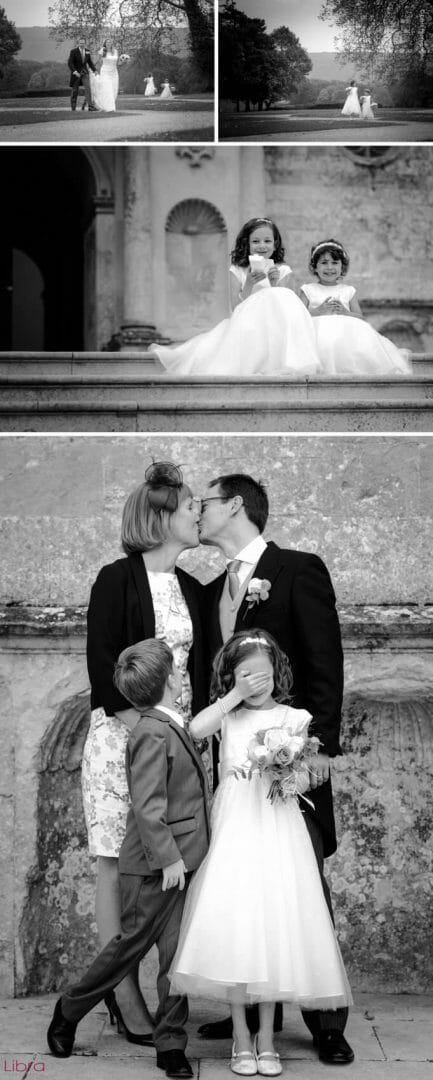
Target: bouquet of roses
point(285, 754)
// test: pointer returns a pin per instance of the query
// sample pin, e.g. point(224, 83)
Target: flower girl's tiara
point(254, 641)
point(329, 244)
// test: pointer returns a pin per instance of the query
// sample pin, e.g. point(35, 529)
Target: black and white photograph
point(216, 288)
point(208, 564)
point(351, 71)
point(216, 481)
point(110, 71)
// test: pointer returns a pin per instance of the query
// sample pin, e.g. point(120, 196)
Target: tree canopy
point(256, 67)
point(388, 36)
point(10, 41)
point(133, 23)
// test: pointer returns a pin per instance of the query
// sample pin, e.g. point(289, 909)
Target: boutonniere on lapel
point(258, 590)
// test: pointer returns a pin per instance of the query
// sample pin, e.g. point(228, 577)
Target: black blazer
point(300, 614)
point(76, 63)
point(120, 614)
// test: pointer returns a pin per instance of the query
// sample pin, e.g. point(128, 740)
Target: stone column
point(99, 287)
point(138, 329)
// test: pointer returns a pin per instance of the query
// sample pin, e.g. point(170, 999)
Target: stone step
point(131, 391)
point(423, 363)
point(45, 365)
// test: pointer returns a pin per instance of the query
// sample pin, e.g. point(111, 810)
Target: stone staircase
point(130, 391)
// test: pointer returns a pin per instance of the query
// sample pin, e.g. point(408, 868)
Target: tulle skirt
point(351, 105)
point(270, 333)
point(256, 926)
point(350, 346)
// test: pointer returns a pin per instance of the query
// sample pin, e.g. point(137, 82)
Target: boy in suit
point(167, 837)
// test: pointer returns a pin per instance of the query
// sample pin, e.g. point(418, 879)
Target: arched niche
point(196, 268)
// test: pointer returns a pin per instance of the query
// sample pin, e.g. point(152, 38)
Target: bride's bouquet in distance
point(286, 755)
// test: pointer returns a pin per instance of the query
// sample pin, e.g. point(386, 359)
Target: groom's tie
point(232, 570)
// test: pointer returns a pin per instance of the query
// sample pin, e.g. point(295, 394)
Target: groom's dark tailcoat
point(77, 63)
point(300, 614)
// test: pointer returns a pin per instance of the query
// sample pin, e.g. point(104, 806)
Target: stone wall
point(365, 505)
point(376, 203)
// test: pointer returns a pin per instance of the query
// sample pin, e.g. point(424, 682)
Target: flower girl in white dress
point(269, 331)
point(256, 927)
point(346, 343)
point(351, 105)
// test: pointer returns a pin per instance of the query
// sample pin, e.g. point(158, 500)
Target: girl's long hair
point(241, 250)
point(236, 650)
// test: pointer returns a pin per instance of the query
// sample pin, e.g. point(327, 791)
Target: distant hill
point(326, 66)
point(38, 45)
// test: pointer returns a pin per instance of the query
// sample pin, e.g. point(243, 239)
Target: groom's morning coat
point(300, 614)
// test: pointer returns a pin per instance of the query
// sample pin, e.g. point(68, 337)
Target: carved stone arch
point(62, 745)
point(196, 259)
point(104, 183)
point(195, 216)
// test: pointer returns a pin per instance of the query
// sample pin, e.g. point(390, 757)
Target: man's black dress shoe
point(61, 1033)
point(223, 1029)
point(333, 1048)
point(174, 1062)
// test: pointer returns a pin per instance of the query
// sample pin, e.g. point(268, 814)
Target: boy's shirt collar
point(172, 714)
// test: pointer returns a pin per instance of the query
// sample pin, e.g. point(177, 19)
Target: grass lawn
point(233, 125)
point(36, 110)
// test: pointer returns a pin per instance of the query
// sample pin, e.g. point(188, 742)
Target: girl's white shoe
point(244, 1063)
point(268, 1063)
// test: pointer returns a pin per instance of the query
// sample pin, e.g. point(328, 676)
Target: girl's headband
point(254, 641)
point(329, 244)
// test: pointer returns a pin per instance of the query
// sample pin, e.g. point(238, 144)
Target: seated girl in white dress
point(269, 331)
point(347, 345)
point(256, 926)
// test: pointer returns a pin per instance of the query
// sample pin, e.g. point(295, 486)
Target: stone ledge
point(374, 625)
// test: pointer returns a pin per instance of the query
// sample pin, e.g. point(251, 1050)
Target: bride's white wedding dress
point(270, 333)
point(104, 87)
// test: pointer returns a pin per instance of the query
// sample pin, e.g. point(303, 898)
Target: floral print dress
point(105, 789)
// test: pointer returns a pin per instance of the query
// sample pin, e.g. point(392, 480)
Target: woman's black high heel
point(117, 1018)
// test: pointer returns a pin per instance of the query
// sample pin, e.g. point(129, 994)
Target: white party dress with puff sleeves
point(269, 333)
point(256, 926)
point(350, 346)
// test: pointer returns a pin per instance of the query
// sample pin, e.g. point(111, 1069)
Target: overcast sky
point(301, 16)
point(27, 12)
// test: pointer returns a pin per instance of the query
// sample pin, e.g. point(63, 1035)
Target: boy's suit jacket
point(120, 614)
point(300, 614)
point(169, 817)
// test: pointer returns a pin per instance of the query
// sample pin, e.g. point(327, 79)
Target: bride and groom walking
point(100, 89)
point(167, 828)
